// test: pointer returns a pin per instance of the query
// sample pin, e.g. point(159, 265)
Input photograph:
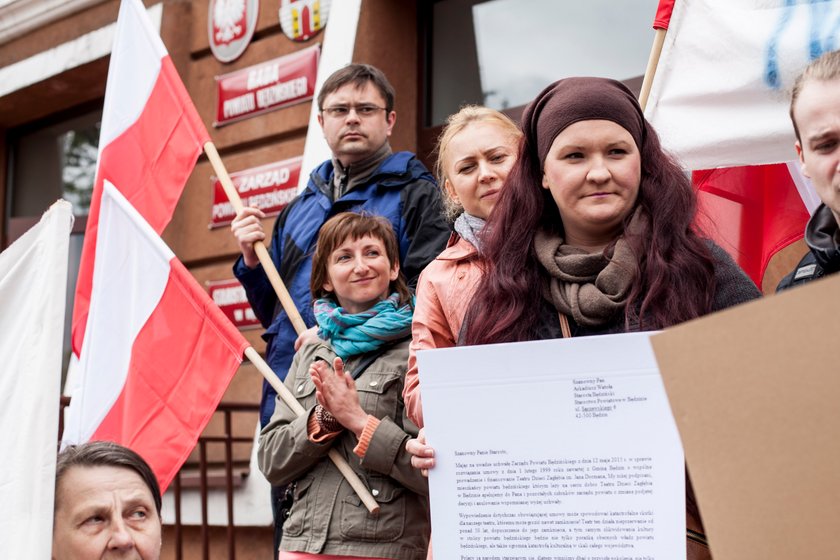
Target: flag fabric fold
point(158, 353)
point(150, 139)
point(720, 94)
point(752, 212)
point(33, 291)
point(663, 14)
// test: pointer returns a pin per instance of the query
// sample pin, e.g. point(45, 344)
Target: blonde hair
point(823, 69)
point(455, 124)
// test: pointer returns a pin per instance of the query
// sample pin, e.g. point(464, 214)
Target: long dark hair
point(676, 279)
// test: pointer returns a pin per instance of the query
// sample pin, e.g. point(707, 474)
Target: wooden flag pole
point(653, 62)
point(297, 321)
point(259, 247)
point(349, 474)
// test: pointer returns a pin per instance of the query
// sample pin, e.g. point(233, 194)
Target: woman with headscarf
point(594, 234)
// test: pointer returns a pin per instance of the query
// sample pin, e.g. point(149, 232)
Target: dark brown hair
point(825, 68)
point(676, 281)
point(105, 454)
point(358, 75)
point(350, 225)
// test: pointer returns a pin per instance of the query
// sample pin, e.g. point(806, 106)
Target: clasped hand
point(335, 390)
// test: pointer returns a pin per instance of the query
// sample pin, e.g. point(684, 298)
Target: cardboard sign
point(266, 86)
point(755, 392)
point(229, 295)
point(268, 187)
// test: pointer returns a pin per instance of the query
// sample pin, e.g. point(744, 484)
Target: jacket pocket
point(358, 524)
point(296, 522)
point(379, 392)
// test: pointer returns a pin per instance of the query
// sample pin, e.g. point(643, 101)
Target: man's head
point(107, 504)
point(356, 112)
point(815, 113)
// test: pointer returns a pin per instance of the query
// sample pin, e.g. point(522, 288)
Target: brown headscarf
point(591, 288)
point(571, 100)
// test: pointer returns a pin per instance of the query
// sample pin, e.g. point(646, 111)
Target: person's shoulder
point(733, 285)
point(323, 170)
point(724, 263)
point(719, 254)
point(396, 355)
point(457, 249)
point(407, 167)
point(315, 350)
point(807, 270)
point(319, 179)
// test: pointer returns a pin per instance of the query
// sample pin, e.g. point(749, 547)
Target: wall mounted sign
point(266, 86)
point(230, 26)
point(268, 187)
point(229, 295)
point(303, 19)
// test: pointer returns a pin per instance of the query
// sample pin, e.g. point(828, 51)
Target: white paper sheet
point(561, 449)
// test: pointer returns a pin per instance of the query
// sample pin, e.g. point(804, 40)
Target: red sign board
point(229, 295)
point(266, 86)
point(268, 187)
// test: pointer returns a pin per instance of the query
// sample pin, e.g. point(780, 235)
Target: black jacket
point(823, 238)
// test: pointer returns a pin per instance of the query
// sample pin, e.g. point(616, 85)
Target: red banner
point(266, 86)
point(269, 187)
point(229, 295)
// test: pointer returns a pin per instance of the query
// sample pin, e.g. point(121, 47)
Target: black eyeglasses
point(341, 111)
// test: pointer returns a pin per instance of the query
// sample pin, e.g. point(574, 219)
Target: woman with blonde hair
point(476, 150)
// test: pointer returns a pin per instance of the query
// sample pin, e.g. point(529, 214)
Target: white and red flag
point(150, 139)
point(155, 353)
point(720, 100)
point(158, 353)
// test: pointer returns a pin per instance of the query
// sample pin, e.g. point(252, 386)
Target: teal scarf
point(359, 333)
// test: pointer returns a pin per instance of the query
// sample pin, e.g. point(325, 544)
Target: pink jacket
point(444, 291)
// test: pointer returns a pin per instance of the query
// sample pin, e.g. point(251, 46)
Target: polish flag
point(155, 353)
point(150, 139)
point(719, 101)
point(158, 353)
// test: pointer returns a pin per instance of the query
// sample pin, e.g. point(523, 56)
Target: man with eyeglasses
point(357, 116)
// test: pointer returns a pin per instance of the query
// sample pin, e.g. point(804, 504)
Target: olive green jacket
point(327, 517)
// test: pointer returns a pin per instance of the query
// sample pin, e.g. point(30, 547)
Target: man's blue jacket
point(401, 189)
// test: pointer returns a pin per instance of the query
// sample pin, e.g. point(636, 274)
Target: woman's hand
point(422, 455)
point(307, 336)
point(247, 228)
point(336, 391)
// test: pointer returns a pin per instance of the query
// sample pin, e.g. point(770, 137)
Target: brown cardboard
point(755, 391)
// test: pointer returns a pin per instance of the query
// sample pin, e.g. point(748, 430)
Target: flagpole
point(259, 247)
point(297, 321)
point(653, 62)
point(349, 474)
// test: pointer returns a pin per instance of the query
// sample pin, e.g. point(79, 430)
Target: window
point(51, 160)
point(501, 53)
point(54, 161)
